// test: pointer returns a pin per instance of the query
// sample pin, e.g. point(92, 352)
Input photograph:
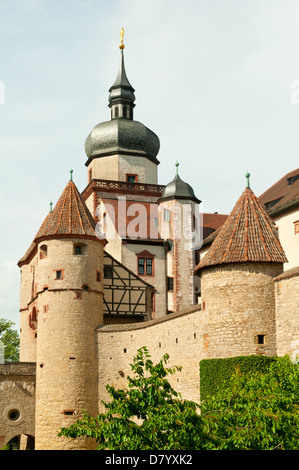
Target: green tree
point(11, 340)
point(257, 412)
point(148, 414)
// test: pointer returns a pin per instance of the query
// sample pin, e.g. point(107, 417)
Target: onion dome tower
point(237, 284)
point(112, 147)
point(65, 266)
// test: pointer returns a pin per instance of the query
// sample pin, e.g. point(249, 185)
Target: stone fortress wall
point(187, 336)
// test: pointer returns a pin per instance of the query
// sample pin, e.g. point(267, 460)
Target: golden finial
point(122, 46)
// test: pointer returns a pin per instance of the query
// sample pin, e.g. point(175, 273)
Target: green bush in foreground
point(256, 412)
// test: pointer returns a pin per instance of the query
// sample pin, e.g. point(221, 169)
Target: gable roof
point(283, 194)
point(248, 234)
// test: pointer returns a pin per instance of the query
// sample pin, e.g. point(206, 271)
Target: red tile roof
point(283, 194)
point(248, 234)
point(212, 222)
point(70, 217)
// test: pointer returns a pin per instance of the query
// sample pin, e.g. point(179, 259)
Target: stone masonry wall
point(178, 334)
point(287, 312)
point(238, 309)
point(17, 400)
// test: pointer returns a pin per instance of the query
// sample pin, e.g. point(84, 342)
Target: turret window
point(125, 115)
point(79, 249)
point(116, 112)
point(170, 284)
point(43, 252)
point(33, 319)
point(59, 273)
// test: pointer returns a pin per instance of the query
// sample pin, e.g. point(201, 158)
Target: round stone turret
point(237, 282)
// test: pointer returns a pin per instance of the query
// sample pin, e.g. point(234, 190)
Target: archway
point(21, 442)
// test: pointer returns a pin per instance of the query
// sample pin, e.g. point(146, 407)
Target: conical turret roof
point(247, 235)
point(69, 218)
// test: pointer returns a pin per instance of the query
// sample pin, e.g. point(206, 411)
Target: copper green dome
point(122, 134)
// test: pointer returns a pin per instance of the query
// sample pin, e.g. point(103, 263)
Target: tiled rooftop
point(283, 194)
point(248, 234)
point(69, 217)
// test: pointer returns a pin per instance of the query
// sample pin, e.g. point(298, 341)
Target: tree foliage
point(148, 414)
point(256, 411)
point(11, 340)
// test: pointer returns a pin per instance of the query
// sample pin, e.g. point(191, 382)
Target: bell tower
point(122, 149)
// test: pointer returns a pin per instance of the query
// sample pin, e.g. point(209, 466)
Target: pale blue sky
point(212, 77)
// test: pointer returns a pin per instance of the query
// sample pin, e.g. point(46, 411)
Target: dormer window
point(292, 179)
point(270, 204)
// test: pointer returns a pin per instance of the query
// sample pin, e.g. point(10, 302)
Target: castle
point(98, 282)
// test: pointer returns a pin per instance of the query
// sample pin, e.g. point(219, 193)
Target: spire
point(70, 216)
point(121, 98)
point(247, 176)
point(247, 235)
point(122, 46)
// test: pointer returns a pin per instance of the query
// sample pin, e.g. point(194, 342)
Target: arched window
point(125, 112)
point(116, 112)
point(43, 252)
point(33, 319)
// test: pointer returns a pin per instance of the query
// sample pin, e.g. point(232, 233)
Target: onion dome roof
point(122, 134)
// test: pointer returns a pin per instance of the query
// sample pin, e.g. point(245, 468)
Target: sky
point(216, 80)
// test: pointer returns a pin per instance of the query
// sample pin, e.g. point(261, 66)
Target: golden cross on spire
point(122, 46)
